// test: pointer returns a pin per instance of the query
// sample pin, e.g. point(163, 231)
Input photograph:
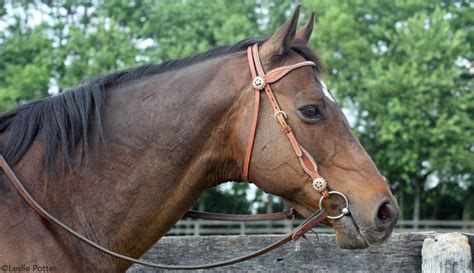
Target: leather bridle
point(261, 81)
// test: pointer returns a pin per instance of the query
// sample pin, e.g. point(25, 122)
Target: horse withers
point(121, 158)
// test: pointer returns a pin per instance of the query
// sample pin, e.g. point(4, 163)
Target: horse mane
point(67, 120)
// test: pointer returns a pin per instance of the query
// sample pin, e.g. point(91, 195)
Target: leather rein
point(261, 81)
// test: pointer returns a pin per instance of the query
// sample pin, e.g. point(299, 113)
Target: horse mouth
point(350, 235)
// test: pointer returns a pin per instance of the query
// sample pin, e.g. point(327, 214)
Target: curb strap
point(308, 224)
point(262, 81)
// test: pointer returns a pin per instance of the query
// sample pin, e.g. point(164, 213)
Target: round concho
point(319, 184)
point(258, 83)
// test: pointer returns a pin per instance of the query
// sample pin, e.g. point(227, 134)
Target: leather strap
point(286, 214)
point(268, 91)
point(253, 126)
point(256, 69)
point(313, 220)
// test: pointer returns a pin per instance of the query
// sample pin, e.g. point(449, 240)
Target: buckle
point(280, 113)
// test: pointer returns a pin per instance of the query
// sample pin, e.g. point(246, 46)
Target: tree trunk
point(434, 213)
point(402, 206)
point(466, 213)
point(270, 204)
point(437, 204)
point(416, 206)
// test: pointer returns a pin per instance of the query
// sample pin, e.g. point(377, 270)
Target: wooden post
point(449, 252)
point(270, 209)
point(197, 228)
point(197, 223)
point(242, 228)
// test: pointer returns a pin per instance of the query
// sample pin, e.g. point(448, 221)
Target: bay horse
point(121, 158)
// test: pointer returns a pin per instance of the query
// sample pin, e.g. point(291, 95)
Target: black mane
point(65, 121)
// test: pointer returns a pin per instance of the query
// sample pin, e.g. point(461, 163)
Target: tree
point(398, 65)
point(79, 40)
point(25, 67)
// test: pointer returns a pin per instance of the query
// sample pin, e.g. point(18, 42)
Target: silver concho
point(319, 184)
point(258, 83)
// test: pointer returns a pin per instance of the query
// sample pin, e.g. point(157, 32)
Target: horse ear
point(279, 43)
point(305, 32)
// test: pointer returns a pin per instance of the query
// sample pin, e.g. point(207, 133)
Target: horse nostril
point(386, 215)
point(383, 213)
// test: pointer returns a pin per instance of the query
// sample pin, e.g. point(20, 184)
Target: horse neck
point(167, 140)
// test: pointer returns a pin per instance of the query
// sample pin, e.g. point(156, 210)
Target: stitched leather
point(256, 69)
point(253, 126)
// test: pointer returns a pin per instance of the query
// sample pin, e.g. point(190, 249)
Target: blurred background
point(402, 72)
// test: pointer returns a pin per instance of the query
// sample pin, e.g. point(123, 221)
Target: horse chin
point(351, 236)
point(348, 235)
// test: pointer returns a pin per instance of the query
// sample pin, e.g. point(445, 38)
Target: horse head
point(319, 126)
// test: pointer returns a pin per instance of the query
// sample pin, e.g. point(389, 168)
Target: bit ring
point(345, 210)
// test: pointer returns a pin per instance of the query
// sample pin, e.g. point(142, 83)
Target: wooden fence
point(211, 227)
point(403, 252)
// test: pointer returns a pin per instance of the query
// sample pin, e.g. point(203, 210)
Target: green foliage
point(25, 65)
point(398, 63)
point(82, 39)
point(400, 66)
point(103, 49)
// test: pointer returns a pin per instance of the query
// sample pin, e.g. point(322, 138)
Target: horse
point(121, 158)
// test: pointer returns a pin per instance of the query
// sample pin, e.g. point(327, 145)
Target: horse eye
point(311, 113)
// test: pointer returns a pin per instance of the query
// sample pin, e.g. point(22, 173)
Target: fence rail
point(213, 227)
point(424, 252)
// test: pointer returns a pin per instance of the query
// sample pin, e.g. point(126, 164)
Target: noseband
point(261, 81)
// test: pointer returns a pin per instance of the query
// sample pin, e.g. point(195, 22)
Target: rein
point(261, 81)
point(286, 214)
point(299, 231)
